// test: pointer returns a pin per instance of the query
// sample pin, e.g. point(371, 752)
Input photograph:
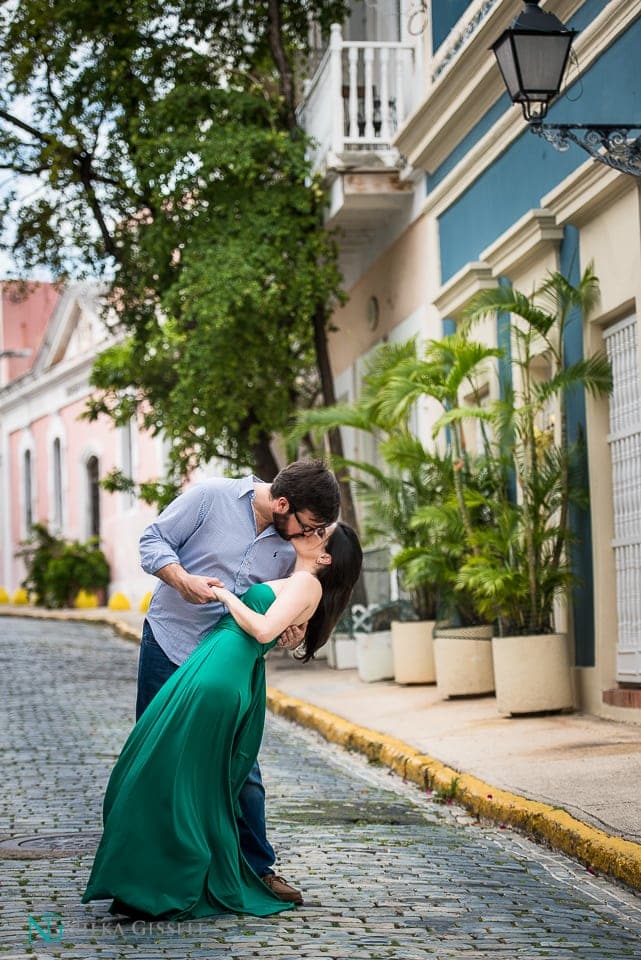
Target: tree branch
point(44, 137)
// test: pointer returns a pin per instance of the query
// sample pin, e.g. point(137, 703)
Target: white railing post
point(353, 91)
point(399, 87)
point(369, 93)
point(386, 126)
point(336, 86)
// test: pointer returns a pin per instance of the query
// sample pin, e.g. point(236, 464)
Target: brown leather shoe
point(282, 889)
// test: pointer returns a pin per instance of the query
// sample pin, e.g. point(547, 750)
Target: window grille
point(625, 450)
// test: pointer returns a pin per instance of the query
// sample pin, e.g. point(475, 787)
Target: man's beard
point(280, 525)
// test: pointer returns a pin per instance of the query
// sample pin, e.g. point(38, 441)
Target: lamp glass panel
point(541, 59)
point(504, 53)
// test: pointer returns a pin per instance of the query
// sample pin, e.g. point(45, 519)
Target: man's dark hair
point(309, 485)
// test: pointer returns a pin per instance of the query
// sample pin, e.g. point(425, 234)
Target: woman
point(170, 846)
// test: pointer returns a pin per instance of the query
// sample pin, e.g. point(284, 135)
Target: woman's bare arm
point(294, 604)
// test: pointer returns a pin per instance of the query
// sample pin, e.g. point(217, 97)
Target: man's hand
point(196, 589)
point(192, 588)
point(292, 637)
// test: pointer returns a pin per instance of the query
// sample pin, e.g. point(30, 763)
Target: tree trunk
point(283, 65)
point(265, 463)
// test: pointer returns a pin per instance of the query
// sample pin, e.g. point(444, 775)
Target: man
point(233, 532)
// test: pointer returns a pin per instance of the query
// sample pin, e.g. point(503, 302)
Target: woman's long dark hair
point(337, 580)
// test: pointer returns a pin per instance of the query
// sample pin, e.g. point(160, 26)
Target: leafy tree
point(160, 149)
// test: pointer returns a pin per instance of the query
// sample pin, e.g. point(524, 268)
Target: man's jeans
point(154, 669)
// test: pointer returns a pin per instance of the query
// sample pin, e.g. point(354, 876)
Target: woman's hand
point(292, 636)
point(217, 588)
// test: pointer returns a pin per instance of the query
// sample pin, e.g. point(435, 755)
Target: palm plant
point(447, 527)
point(520, 563)
point(426, 503)
point(411, 477)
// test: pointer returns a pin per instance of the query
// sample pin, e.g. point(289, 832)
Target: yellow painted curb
point(597, 849)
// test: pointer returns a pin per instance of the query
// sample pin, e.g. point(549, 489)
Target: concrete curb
point(596, 849)
point(125, 630)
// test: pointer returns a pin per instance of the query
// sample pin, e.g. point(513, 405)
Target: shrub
point(58, 569)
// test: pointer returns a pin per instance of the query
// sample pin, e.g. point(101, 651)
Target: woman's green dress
point(170, 845)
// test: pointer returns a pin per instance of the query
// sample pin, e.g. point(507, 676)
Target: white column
point(336, 87)
point(353, 91)
point(398, 86)
point(369, 93)
point(386, 126)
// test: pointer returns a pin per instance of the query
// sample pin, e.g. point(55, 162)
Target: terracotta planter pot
point(532, 673)
point(413, 651)
point(463, 661)
point(374, 656)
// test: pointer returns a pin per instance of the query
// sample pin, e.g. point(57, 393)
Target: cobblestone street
point(386, 871)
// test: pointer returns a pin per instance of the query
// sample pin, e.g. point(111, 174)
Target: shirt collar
point(247, 485)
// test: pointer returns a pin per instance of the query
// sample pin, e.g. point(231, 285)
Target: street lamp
point(532, 55)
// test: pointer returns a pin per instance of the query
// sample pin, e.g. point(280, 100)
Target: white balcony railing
point(361, 93)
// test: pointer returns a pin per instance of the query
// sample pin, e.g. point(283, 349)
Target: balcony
point(360, 94)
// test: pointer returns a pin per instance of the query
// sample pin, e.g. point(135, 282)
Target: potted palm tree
point(518, 568)
point(408, 477)
point(452, 371)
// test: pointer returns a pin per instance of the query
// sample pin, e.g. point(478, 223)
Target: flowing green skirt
point(170, 847)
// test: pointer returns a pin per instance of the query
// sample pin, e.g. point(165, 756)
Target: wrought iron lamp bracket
point(609, 143)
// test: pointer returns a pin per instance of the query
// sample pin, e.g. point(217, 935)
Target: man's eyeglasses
point(305, 528)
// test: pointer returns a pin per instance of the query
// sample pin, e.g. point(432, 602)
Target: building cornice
point(454, 296)
point(585, 191)
point(524, 242)
point(29, 386)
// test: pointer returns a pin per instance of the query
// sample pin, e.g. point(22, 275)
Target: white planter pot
point(463, 660)
point(374, 656)
point(341, 652)
point(413, 651)
point(532, 674)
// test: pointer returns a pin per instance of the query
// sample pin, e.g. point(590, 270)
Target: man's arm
point(160, 544)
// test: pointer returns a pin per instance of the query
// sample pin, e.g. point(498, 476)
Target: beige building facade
point(438, 189)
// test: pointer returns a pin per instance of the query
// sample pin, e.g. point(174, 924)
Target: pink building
point(50, 461)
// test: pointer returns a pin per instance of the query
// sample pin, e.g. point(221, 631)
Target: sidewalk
point(570, 779)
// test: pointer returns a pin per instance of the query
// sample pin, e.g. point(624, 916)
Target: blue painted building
point(439, 189)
